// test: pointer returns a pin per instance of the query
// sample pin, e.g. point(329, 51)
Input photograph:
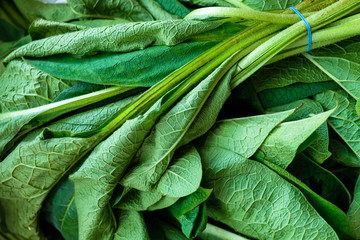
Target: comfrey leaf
point(131, 226)
point(287, 138)
point(255, 201)
point(354, 210)
point(344, 120)
point(117, 38)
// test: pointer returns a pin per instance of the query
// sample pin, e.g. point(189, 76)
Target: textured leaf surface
point(255, 201)
point(103, 169)
point(288, 138)
point(29, 172)
point(320, 180)
point(344, 120)
point(354, 210)
point(174, 7)
point(137, 68)
point(139, 200)
point(285, 72)
point(127, 9)
point(270, 4)
point(341, 63)
point(244, 135)
point(117, 38)
point(184, 174)
point(131, 226)
point(318, 150)
point(194, 221)
point(158, 148)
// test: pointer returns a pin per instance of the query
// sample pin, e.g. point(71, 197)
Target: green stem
point(269, 49)
point(249, 14)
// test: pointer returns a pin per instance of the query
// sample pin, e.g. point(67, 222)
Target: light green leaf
point(131, 226)
point(255, 201)
point(341, 63)
point(103, 169)
point(23, 86)
point(134, 36)
point(244, 135)
point(333, 215)
point(288, 138)
point(354, 210)
point(357, 107)
point(164, 202)
point(270, 4)
point(157, 10)
point(344, 120)
point(149, 65)
point(318, 150)
point(126, 9)
point(184, 174)
point(208, 3)
point(213, 232)
point(171, 131)
point(29, 172)
point(139, 200)
point(34, 9)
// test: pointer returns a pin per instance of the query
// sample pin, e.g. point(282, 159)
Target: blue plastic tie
point(307, 26)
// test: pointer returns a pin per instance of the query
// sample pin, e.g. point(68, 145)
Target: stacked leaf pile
point(179, 119)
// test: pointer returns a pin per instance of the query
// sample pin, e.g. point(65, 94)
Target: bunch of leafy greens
point(132, 119)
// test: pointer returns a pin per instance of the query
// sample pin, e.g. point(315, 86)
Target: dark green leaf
point(131, 225)
point(137, 68)
point(185, 204)
point(354, 210)
point(194, 221)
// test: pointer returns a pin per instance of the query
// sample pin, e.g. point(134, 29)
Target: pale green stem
point(225, 12)
point(269, 49)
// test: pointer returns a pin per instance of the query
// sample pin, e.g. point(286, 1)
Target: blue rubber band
point(307, 26)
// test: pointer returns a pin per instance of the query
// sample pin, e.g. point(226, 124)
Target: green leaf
point(354, 210)
point(283, 95)
point(139, 200)
point(28, 174)
point(344, 120)
point(103, 169)
point(333, 215)
point(270, 4)
point(149, 65)
point(318, 150)
point(184, 174)
point(164, 202)
point(23, 86)
point(21, 122)
point(185, 121)
point(126, 9)
point(213, 232)
point(194, 221)
point(157, 10)
point(174, 7)
point(245, 134)
point(60, 209)
point(134, 36)
point(341, 63)
point(185, 204)
point(160, 230)
point(34, 9)
point(9, 31)
point(288, 138)
point(357, 107)
point(320, 180)
point(255, 201)
point(342, 154)
point(286, 72)
point(131, 226)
